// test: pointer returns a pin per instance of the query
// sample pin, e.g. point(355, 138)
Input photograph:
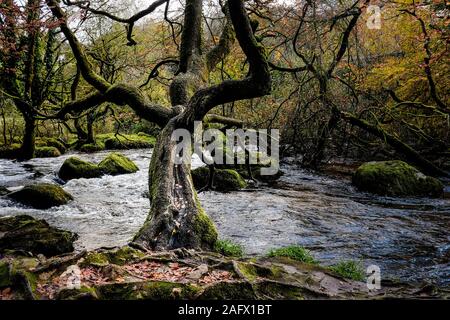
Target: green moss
point(41, 196)
point(51, 142)
point(96, 259)
point(116, 163)
point(10, 152)
point(228, 248)
point(91, 147)
point(229, 291)
point(124, 255)
point(75, 168)
point(224, 179)
point(5, 278)
point(350, 270)
point(204, 227)
point(46, 152)
point(395, 178)
point(293, 252)
point(36, 236)
point(150, 290)
point(126, 141)
point(83, 293)
point(252, 271)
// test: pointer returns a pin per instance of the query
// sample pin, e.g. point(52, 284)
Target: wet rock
point(3, 191)
point(41, 196)
point(224, 179)
point(47, 152)
point(75, 168)
point(116, 163)
point(51, 142)
point(395, 178)
point(130, 142)
point(31, 235)
point(10, 152)
point(91, 147)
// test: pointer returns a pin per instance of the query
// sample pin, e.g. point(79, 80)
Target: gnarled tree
point(176, 218)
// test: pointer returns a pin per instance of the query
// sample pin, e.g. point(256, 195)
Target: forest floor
point(128, 273)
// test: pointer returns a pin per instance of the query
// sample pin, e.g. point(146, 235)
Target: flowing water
point(408, 238)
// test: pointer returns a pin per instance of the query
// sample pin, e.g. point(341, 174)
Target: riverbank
point(406, 237)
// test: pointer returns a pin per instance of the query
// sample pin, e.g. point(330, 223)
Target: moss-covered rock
point(28, 234)
point(46, 152)
point(41, 196)
point(395, 178)
point(10, 152)
point(116, 163)
point(75, 168)
point(148, 290)
point(91, 147)
point(51, 142)
point(130, 141)
point(3, 191)
point(119, 256)
point(224, 179)
point(5, 279)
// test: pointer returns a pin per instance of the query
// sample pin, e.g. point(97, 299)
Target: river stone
point(224, 179)
point(395, 178)
point(47, 152)
point(3, 191)
point(75, 168)
point(116, 163)
point(51, 142)
point(36, 236)
point(41, 196)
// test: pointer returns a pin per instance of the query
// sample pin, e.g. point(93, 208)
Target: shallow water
point(408, 238)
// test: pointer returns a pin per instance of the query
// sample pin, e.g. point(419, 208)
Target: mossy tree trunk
point(27, 148)
point(176, 218)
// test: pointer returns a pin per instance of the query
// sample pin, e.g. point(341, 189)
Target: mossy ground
point(170, 275)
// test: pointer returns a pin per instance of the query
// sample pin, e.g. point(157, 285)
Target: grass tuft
point(294, 252)
point(350, 270)
point(228, 248)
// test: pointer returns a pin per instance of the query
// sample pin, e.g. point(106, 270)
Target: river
point(408, 238)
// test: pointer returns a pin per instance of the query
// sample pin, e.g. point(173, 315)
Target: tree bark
point(176, 217)
point(28, 145)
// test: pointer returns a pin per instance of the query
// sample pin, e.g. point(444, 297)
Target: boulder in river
point(41, 196)
point(116, 163)
point(395, 178)
point(224, 179)
point(75, 168)
point(47, 152)
point(36, 236)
